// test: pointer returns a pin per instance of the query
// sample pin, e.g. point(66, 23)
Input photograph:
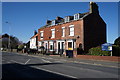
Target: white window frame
point(63, 31)
point(76, 16)
point(53, 32)
point(67, 19)
point(51, 43)
point(46, 42)
point(71, 33)
point(39, 43)
point(70, 41)
point(53, 22)
point(41, 32)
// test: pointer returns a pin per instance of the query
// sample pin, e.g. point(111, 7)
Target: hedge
point(98, 52)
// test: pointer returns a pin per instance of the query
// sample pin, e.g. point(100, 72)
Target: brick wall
point(103, 58)
point(89, 31)
point(78, 31)
point(58, 31)
point(94, 31)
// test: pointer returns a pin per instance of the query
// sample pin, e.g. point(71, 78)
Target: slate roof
point(61, 21)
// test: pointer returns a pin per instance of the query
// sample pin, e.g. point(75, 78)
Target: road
point(18, 66)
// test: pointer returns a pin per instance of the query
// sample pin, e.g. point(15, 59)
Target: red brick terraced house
point(82, 30)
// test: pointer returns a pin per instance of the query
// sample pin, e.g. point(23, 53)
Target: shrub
point(117, 41)
point(98, 52)
point(116, 50)
point(20, 47)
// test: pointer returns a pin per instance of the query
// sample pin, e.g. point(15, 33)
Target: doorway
point(58, 47)
point(61, 47)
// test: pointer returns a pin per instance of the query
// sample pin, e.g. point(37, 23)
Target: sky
point(25, 17)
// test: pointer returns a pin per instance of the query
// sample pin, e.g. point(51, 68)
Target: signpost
point(107, 47)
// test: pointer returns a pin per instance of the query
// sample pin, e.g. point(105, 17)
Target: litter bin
point(69, 53)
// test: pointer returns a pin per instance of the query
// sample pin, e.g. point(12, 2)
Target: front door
point(58, 47)
point(46, 46)
point(62, 47)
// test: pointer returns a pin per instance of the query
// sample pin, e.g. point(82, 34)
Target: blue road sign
point(107, 47)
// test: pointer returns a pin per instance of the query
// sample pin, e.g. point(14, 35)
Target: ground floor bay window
point(51, 46)
point(46, 46)
point(39, 45)
point(58, 46)
point(70, 45)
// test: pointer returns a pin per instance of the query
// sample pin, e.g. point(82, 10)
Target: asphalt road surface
point(18, 67)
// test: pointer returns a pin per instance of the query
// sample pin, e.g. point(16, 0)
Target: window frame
point(51, 44)
point(67, 19)
point(69, 46)
point(76, 16)
point(72, 45)
point(63, 31)
point(53, 31)
point(53, 22)
point(41, 32)
point(70, 32)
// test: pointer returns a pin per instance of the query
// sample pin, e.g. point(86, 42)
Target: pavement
point(39, 67)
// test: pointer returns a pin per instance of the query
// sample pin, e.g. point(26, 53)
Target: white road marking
point(8, 62)
point(46, 61)
point(80, 68)
point(49, 58)
point(57, 61)
point(95, 64)
point(27, 61)
point(46, 69)
point(12, 61)
point(55, 72)
point(43, 57)
point(63, 60)
point(77, 62)
point(16, 62)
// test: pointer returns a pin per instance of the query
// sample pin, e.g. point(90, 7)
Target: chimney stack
point(35, 32)
point(58, 18)
point(48, 22)
point(94, 8)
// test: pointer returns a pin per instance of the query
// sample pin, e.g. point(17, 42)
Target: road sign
point(107, 47)
point(110, 48)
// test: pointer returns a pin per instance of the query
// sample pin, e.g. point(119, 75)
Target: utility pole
point(9, 35)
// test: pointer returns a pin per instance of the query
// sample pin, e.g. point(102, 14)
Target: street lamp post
point(9, 43)
point(9, 35)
